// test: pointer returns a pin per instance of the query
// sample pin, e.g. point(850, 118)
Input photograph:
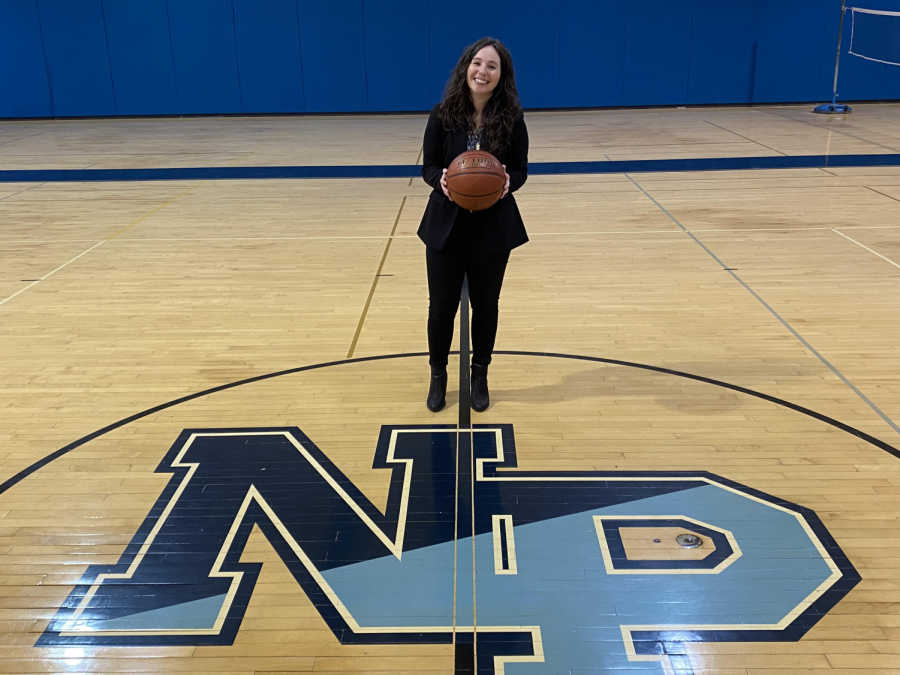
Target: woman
point(480, 110)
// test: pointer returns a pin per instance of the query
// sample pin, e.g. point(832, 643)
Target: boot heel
point(437, 391)
point(480, 397)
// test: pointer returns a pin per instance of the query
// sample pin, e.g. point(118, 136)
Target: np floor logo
point(528, 572)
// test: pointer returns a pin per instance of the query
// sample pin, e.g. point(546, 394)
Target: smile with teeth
point(480, 81)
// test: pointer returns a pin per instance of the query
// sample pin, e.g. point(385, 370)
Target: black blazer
point(503, 226)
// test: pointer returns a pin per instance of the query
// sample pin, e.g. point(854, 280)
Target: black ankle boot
point(480, 398)
point(437, 392)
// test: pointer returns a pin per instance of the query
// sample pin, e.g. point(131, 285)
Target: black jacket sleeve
point(517, 157)
point(433, 151)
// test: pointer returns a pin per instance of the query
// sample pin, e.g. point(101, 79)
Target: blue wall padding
point(24, 90)
point(791, 37)
point(657, 52)
point(591, 53)
point(723, 51)
point(397, 63)
point(450, 31)
point(140, 57)
point(332, 42)
point(531, 32)
point(77, 58)
point(127, 57)
point(205, 57)
point(268, 54)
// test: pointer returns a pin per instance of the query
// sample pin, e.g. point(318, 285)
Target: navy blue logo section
point(180, 580)
point(567, 565)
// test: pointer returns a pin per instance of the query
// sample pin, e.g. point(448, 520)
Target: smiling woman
point(480, 110)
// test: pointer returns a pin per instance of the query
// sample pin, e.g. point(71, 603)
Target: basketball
point(476, 180)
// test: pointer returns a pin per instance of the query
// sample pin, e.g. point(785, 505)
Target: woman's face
point(484, 72)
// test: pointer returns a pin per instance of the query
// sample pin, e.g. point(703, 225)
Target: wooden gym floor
point(740, 323)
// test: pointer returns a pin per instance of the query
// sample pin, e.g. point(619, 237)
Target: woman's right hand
point(444, 185)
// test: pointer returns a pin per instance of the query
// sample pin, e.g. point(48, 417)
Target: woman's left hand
point(505, 187)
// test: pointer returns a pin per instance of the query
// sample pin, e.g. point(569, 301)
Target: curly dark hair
point(457, 111)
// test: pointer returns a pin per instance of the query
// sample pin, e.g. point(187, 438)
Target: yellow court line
point(418, 159)
point(33, 283)
point(362, 318)
point(158, 208)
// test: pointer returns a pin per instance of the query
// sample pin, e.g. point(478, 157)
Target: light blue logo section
point(416, 591)
point(562, 585)
point(194, 615)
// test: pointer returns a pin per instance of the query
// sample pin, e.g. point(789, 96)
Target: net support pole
point(835, 108)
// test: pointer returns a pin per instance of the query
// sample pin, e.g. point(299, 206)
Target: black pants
point(464, 256)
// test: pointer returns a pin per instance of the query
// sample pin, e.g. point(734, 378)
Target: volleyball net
point(875, 35)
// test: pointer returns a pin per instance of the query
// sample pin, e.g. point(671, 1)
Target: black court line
point(465, 411)
point(464, 651)
point(24, 473)
point(413, 170)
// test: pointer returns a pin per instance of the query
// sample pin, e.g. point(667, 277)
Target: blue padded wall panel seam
point(755, 54)
point(690, 51)
point(205, 55)
point(362, 9)
point(237, 60)
point(46, 62)
point(140, 57)
point(558, 48)
point(77, 61)
point(657, 52)
point(624, 44)
point(592, 53)
point(112, 81)
point(723, 51)
point(300, 46)
point(172, 54)
point(387, 23)
point(428, 36)
point(822, 43)
point(266, 35)
point(24, 82)
point(321, 26)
